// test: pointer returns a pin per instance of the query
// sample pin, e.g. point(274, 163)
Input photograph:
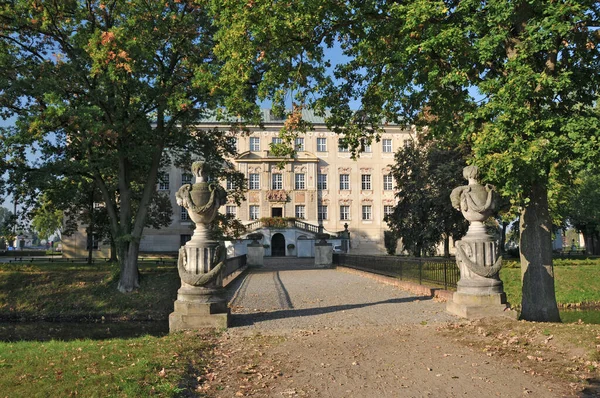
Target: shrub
point(390, 241)
point(291, 246)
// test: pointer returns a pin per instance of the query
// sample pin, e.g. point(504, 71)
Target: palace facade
point(322, 186)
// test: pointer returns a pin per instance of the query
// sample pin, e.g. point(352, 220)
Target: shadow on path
point(252, 318)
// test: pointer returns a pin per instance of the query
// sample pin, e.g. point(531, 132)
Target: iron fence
point(436, 271)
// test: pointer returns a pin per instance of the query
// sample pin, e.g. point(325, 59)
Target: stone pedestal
point(198, 307)
point(256, 251)
point(202, 306)
point(480, 291)
point(473, 306)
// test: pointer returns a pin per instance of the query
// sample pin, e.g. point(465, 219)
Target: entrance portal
point(278, 245)
point(277, 212)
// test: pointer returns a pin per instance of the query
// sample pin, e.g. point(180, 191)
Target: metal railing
point(436, 271)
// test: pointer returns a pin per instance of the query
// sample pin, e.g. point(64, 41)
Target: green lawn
point(51, 291)
point(573, 283)
point(105, 368)
point(122, 355)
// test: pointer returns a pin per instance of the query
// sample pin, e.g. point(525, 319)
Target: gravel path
point(302, 331)
point(291, 294)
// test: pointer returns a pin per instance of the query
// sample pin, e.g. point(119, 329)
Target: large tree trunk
point(537, 274)
point(130, 277)
point(113, 250)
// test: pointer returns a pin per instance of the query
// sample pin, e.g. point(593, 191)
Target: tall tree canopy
point(105, 90)
point(425, 176)
point(516, 80)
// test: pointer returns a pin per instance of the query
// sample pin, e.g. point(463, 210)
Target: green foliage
point(425, 175)
point(108, 94)
point(390, 240)
point(583, 210)
point(46, 220)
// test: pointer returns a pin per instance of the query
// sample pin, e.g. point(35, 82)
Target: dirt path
point(300, 331)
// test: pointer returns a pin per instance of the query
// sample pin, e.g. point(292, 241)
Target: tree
point(583, 210)
point(516, 80)
point(47, 221)
point(105, 91)
point(423, 217)
point(7, 223)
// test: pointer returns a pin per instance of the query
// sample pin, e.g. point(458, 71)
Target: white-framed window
point(321, 181)
point(254, 181)
point(231, 210)
point(299, 144)
point(322, 212)
point(299, 181)
point(321, 144)
point(344, 182)
point(365, 180)
point(344, 213)
point(300, 212)
point(183, 214)
point(386, 145)
point(186, 178)
point(254, 144)
point(342, 145)
point(408, 143)
point(367, 212)
point(163, 182)
point(365, 146)
point(388, 210)
point(254, 212)
point(276, 140)
point(230, 184)
point(276, 181)
point(388, 182)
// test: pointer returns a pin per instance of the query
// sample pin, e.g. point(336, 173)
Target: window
point(408, 143)
point(255, 144)
point(388, 210)
point(186, 178)
point(321, 181)
point(366, 182)
point(254, 210)
point(231, 211)
point(276, 181)
point(299, 144)
point(276, 140)
point(387, 182)
point(163, 182)
point(254, 181)
point(365, 146)
point(230, 184)
point(322, 212)
point(183, 214)
point(344, 181)
point(344, 213)
point(299, 181)
point(387, 145)
point(300, 211)
point(94, 240)
point(342, 146)
point(366, 213)
point(321, 144)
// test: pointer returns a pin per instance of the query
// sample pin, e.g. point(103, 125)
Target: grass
point(160, 366)
point(574, 284)
point(107, 347)
point(73, 292)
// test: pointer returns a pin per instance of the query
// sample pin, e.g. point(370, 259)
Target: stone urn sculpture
point(479, 291)
point(200, 300)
